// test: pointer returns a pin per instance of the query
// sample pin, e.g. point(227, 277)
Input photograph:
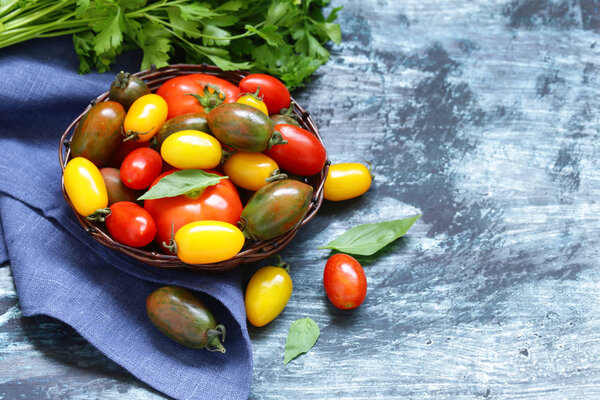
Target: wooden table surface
point(481, 115)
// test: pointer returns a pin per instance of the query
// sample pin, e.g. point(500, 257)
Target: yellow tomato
point(145, 117)
point(205, 242)
point(253, 101)
point(345, 181)
point(85, 186)
point(267, 294)
point(249, 170)
point(191, 149)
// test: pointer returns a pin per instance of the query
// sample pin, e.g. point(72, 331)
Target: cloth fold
point(61, 272)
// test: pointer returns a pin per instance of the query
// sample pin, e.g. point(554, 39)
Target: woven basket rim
point(256, 251)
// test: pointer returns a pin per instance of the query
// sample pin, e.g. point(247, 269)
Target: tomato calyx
point(172, 245)
point(214, 342)
point(288, 112)
point(226, 155)
point(276, 138)
point(256, 95)
point(276, 175)
point(209, 100)
point(134, 135)
point(282, 264)
point(122, 79)
point(99, 215)
point(243, 225)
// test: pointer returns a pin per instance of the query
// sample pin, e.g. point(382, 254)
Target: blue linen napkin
point(61, 272)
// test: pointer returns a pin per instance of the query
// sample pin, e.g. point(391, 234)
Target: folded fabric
point(61, 272)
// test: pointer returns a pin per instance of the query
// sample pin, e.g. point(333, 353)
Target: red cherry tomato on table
point(302, 155)
point(176, 92)
point(345, 282)
point(130, 224)
point(273, 92)
point(140, 168)
point(220, 202)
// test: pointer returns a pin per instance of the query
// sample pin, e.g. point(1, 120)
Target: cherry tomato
point(302, 155)
point(249, 170)
point(253, 101)
point(115, 188)
point(345, 181)
point(130, 224)
point(272, 90)
point(145, 117)
point(220, 202)
point(85, 186)
point(345, 282)
point(205, 242)
point(176, 92)
point(140, 168)
point(191, 149)
point(123, 150)
point(267, 294)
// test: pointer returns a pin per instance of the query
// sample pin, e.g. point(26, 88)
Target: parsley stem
point(36, 14)
point(8, 6)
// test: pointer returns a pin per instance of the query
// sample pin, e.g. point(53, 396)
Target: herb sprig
point(284, 38)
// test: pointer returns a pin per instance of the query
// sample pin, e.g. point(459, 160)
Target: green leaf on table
point(368, 239)
point(302, 336)
point(185, 181)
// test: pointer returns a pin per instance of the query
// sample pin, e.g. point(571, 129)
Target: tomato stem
point(99, 215)
point(213, 338)
point(275, 176)
point(282, 264)
point(276, 138)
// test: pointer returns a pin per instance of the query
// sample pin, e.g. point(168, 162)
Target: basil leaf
point(368, 239)
point(181, 182)
point(302, 336)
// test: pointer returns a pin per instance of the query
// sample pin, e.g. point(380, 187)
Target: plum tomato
point(127, 88)
point(220, 202)
point(345, 181)
point(273, 92)
point(267, 294)
point(84, 186)
point(140, 168)
point(345, 282)
point(130, 224)
point(178, 93)
point(145, 117)
point(249, 170)
point(191, 149)
point(302, 155)
point(206, 242)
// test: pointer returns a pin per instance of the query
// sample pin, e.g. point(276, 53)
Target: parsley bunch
point(284, 38)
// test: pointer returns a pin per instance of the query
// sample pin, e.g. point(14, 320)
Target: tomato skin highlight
point(267, 294)
point(302, 155)
point(176, 92)
point(130, 224)
point(273, 92)
point(84, 186)
point(206, 242)
point(191, 149)
point(220, 202)
point(145, 117)
point(345, 181)
point(249, 170)
point(98, 134)
point(344, 281)
point(140, 168)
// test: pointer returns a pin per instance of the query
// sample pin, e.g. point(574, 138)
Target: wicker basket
point(252, 251)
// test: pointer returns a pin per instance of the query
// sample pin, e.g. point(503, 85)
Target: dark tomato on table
point(273, 92)
point(220, 202)
point(130, 224)
point(140, 168)
point(177, 93)
point(302, 155)
point(345, 282)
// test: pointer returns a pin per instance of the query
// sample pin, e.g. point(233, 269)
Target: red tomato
point(176, 92)
point(345, 282)
point(130, 224)
point(220, 202)
point(302, 155)
point(273, 92)
point(140, 168)
point(125, 148)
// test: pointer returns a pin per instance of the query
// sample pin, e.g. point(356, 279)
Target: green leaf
point(195, 11)
point(215, 31)
point(185, 181)
point(186, 27)
point(368, 239)
point(155, 42)
point(227, 65)
point(231, 5)
point(110, 33)
point(330, 31)
point(302, 336)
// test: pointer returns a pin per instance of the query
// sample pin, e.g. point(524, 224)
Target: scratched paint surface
point(482, 115)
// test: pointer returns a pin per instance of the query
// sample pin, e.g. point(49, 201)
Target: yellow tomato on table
point(205, 242)
point(249, 170)
point(345, 181)
point(267, 294)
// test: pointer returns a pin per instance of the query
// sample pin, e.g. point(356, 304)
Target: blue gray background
point(482, 116)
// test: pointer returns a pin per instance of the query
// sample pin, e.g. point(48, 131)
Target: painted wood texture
point(482, 115)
